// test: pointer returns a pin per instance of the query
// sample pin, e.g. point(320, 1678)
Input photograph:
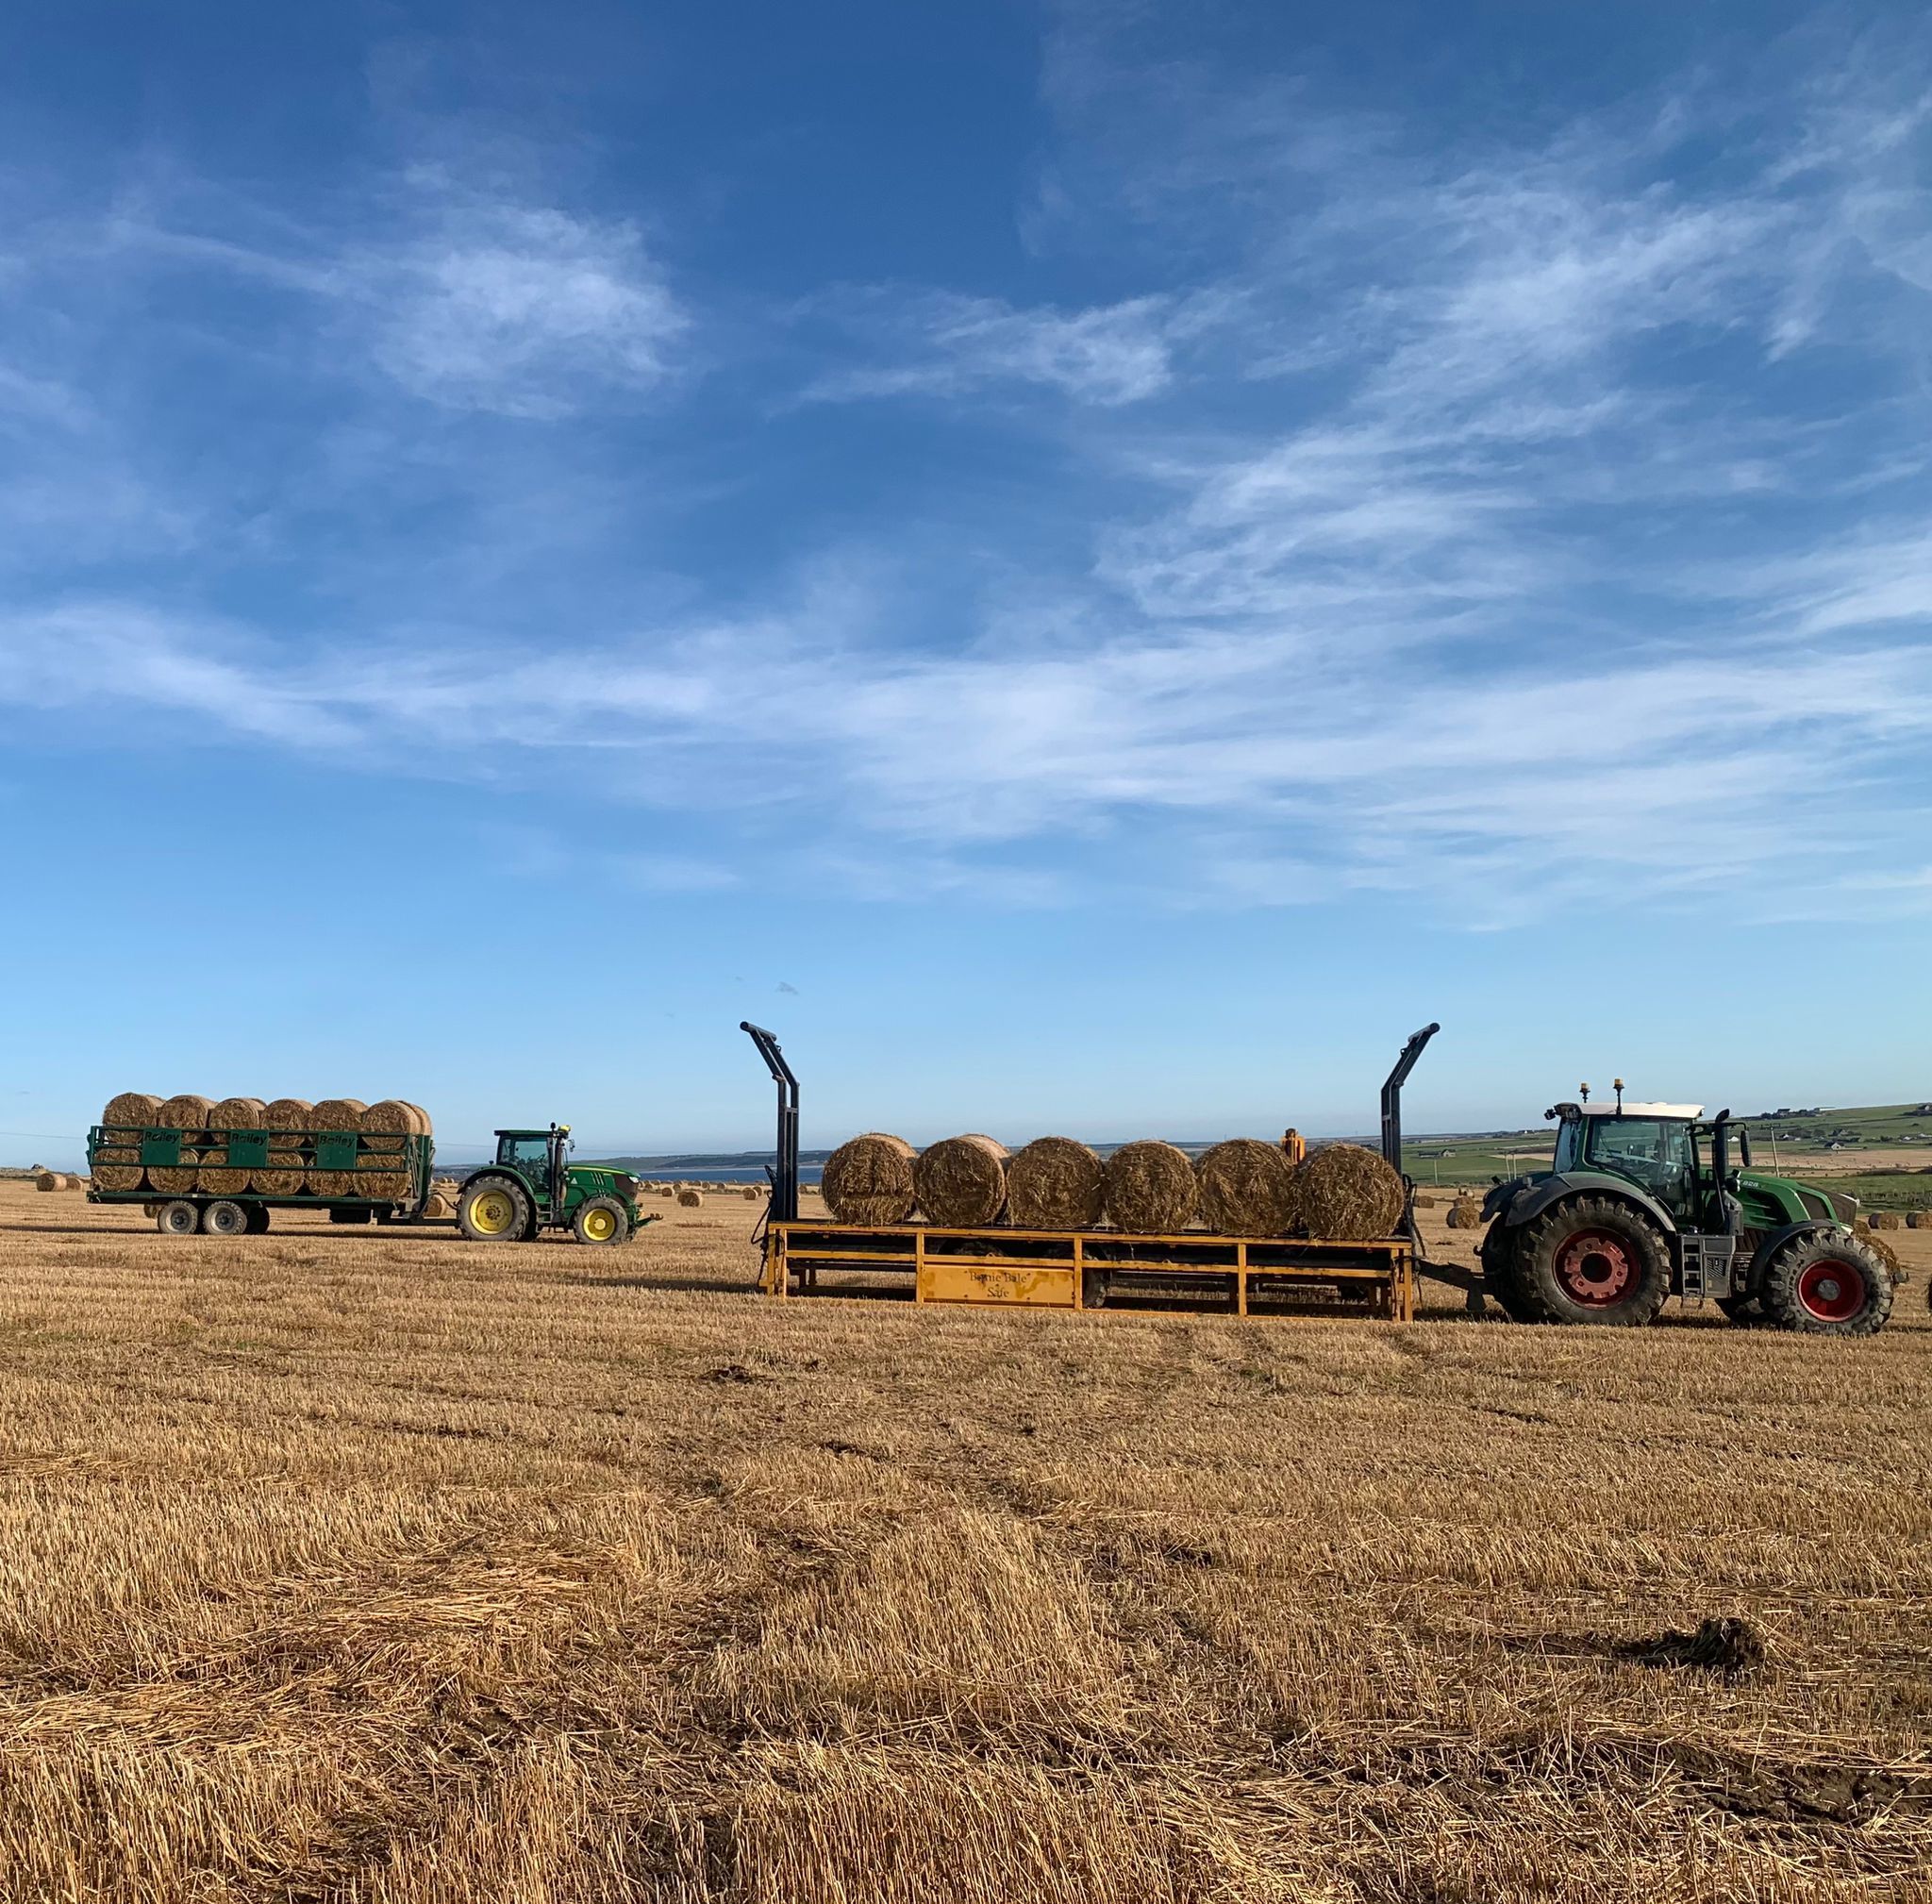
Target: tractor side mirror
point(1744, 1147)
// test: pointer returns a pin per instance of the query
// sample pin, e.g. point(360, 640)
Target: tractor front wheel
point(1593, 1259)
point(1820, 1284)
point(601, 1220)
point(494, 1209)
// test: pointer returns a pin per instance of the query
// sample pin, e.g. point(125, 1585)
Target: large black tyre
point(1500, 1279)
point(494, 1209)
point(1826, 1284)
point(1593, 1260)
point(223, 1218)
point(1746, 1312)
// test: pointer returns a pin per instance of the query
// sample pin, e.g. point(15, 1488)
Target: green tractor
point(1644, 1203)
point(530, 1189)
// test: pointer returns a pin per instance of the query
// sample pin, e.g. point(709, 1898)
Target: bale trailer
point(1081, 1269)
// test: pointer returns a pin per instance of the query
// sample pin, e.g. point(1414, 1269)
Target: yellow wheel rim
point(493, 1212)
point(600, 1225)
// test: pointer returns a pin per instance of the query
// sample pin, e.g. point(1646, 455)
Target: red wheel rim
point(1596, 1269)
point(1831, 1290)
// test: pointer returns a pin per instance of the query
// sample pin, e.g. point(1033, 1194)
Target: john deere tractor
point(531, 1189)
point(1644, 1203)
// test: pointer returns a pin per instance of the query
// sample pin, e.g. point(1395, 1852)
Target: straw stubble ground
point(360, 1566)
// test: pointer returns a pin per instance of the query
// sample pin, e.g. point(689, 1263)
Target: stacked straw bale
point(189, 1114)
point(54, 1179)
point(1055, 1183)
point(337, 1114)
point(868, 1179)
point(1149, 1188)
point(386, 1128)
point(286, 1174)
point(1247, 1187)
point(117, 1166)
point(217, 1177)
point(1349, 1193)
point(1465, 1213)
point(752, 1193)
point(961, 1182)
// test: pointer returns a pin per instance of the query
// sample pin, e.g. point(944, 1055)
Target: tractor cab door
point(1654, 1153)
point(529, 1157)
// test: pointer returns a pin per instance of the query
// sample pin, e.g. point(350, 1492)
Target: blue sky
point(1093, 566)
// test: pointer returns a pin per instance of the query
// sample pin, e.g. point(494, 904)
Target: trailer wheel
point(1594, 1259)
point(1820, 1284)
point(258, 1219)
point(494, 1209)
point(179, 1219)
point(224, 1219)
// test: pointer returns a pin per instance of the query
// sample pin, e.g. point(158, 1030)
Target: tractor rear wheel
point(494, 1209)
point(1595, 1259)
point(1821, 1284)
point(601, 1220)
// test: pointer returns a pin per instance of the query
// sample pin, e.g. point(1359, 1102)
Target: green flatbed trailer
point(220, 1211)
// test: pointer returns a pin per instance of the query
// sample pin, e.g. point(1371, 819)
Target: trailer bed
point(1093, 1268)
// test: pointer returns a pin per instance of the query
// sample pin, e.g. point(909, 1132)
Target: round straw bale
point(437, 1204)
point(1348, 1193)
point(752, 1193)
point(1149, 1188)
point(1918, 1219)
point(1053, 1183)
point(215, 1175)
point(961, 1182)
point(1887, 1255)
point(117, 1163)
point(132, 1109)
point(868, 1179)
point(286, 1174)
point(690, 1199)
point(189, 1114)
point(1884, 1219)
point(387, 1126)
point(334, 1114)
point(49, 1179)
point(1247, 1187)
point(1465, 1213)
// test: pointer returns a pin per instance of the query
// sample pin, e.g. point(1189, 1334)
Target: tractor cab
point(538, 1159)
point(1653, 1145)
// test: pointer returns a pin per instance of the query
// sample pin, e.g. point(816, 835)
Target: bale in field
point(189, 1114)
point(1053, 1183)
point(1918, 1219)
point(1349, 1195)
point(690, 1199)
point(282, 1118)
point(1247, 1187)
point(1884, 1219)
point(49, 1179)
point(337, 1115)
point(752, 1193)
point(217, 1177)
point(868, 1179)
point(1465, 1213)
point(961, 1182)
point(1149, 1188)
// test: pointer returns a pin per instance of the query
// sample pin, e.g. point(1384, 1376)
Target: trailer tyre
point(224, 1219)
point(1593, 1260)
point(494, 1209)
point(1821, 1284)
point(258, 1219)
point(601, 1220)
point(177, 1219)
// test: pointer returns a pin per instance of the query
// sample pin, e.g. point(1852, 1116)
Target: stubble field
point(345, 1565)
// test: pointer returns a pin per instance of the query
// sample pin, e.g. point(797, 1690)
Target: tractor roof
point(1689, 1113)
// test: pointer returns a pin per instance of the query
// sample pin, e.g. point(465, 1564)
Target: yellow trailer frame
point(1082, 1269)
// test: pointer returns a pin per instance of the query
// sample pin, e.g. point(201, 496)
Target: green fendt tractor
point(530, 1189)
point(1644, 1203)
